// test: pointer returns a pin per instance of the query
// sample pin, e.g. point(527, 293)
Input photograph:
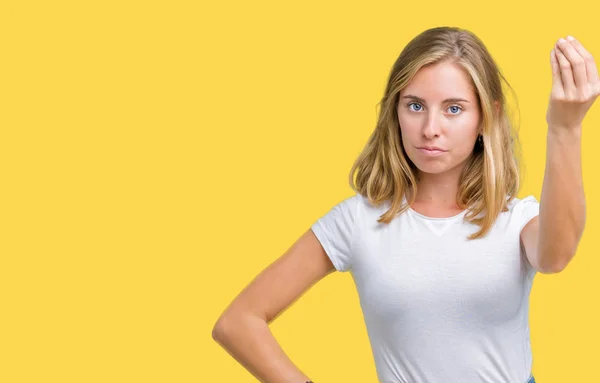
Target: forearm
point(249, 340)
point(562, 205)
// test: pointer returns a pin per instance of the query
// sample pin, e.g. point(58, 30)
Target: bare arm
point(243, 329)
point(552, 240)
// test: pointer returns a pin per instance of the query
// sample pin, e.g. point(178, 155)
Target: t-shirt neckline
point(456, 216)
point(410, 209)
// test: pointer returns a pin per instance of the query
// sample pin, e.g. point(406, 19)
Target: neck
point(437, 189)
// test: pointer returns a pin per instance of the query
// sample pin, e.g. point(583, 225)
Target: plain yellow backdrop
point(157, 155)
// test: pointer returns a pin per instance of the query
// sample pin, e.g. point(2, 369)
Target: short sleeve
point(335, 231)
point(526, 209)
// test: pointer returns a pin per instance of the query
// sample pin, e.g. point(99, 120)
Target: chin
point(432, 168)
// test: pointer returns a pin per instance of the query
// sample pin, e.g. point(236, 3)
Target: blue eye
point(413, 103)
point(455, 108)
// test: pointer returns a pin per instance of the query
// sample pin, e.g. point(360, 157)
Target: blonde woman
point(442, 252)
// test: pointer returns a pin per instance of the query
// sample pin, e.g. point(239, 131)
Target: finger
point(566, 72)
point(577, 63)
point(557, 85)
point(590, 64)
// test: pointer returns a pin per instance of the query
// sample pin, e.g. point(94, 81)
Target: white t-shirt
point(437, 307)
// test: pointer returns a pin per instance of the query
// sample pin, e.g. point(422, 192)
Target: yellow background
point(156, 156)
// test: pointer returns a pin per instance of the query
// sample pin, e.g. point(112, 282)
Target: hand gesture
point(575, 84)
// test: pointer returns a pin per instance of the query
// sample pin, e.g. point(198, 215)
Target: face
point(439, 109)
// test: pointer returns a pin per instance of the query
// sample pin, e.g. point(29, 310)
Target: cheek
point(408, 136)
point(465, 137)
point(408, 128)
point(465, 131)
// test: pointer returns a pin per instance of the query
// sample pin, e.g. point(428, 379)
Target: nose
point(431, 128)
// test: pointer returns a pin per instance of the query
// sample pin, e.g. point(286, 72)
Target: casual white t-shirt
point(437, 307)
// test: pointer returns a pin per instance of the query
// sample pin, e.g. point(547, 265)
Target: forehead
point(439, 81)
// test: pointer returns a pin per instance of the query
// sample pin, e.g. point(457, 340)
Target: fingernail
point(561, 40)
point(570, 38)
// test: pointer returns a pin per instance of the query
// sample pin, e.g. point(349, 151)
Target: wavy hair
point(490, 179)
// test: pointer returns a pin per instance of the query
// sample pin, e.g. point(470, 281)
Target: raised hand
point(575, 84)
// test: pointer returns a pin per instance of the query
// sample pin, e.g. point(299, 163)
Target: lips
point(431, 151)
point(432, 148)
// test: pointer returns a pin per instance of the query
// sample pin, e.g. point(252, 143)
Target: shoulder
point(522, 210)
point(523, 205)
point(351, 211)
point(357, 204)
point(335, 229)
point(343, 213)
point(519, 203)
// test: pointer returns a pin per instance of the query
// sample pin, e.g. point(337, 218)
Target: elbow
point(553, 269)
point(229, 324)
point(558, 264)
point(556, 258)
point(219, 331)
point(235, 322)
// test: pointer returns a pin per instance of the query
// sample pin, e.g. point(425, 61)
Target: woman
point(442, 252)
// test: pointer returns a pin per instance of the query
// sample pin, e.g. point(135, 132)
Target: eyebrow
point(423, 101)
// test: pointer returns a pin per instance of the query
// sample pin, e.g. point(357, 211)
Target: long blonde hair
point(490, 180)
